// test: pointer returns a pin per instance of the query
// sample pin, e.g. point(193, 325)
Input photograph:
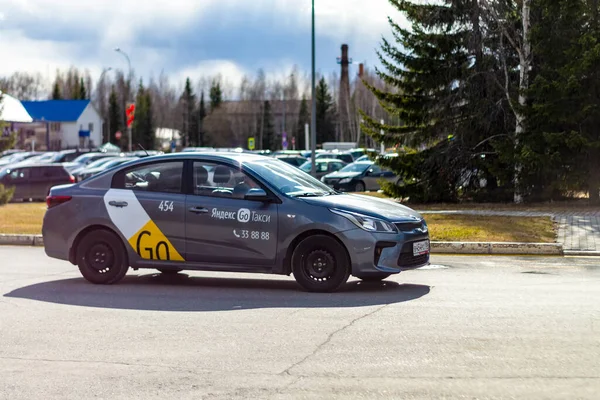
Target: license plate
point(420, 248)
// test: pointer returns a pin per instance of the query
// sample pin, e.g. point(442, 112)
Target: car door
point(222, 227)
point(146, 203)
point(372, 177)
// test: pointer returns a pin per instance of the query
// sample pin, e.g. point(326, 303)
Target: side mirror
point(257, 195)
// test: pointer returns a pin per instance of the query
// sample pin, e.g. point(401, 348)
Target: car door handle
point(198, 210)
point(119, 204)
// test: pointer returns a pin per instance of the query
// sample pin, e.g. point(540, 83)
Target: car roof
point(205, 155)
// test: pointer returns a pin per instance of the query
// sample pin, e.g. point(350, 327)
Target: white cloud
point(106, 24)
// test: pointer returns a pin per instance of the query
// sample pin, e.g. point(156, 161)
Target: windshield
point(289, 180)
point(84, 157)
point(356, 167)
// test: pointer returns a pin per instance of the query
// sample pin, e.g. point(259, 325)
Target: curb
point(513, 248)
point(580, 253)
point(21, 240)
point(436, 247)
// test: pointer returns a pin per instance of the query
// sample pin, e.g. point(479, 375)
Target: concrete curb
point(579, 253)
point(436, 247)
point(514, 248)
point(21, 240)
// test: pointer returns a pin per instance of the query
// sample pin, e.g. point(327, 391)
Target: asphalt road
point(469, 328)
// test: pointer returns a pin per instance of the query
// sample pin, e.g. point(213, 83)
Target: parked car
point(345, 156)
point(17, 157)
point(46, 157)
point(358, 177)
point(296, 161)
point(76, 172)
point(323, 166)
point(108, 164)
point(65, 156)
point(34, 181)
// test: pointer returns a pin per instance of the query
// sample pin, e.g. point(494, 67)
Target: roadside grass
point(26, 218)
point(471, 228)
point(567, 205)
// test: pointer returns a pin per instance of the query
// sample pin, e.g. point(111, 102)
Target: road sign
point(284, 142)
point(118, 135)
point(251, 143)
point(130, 112)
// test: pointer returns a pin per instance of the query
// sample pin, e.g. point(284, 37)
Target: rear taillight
point(71, 178)
point(53, 201)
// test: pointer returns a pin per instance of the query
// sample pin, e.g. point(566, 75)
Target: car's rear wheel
point(374, 278)
point(169, 271)
point(359, 187)
point(102, 258)
point(320, 264)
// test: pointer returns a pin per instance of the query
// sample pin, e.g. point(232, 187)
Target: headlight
point(323, 179)
point(367, 223)
point(346, 180)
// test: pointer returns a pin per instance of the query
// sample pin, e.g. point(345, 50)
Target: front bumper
point(377, 253)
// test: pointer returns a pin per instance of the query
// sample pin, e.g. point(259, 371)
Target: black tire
point(374, 278)
point(359, 187)
point(102, 258)
point(320, 264)
point(169, 271)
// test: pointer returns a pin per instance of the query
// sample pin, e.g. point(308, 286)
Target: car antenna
point(142, 147)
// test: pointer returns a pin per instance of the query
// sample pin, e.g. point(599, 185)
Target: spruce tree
point(190, 126)
point(114, 116)
point(268, 140)
point(560, 150)
point(216, 95)
point(82, 91)
point(303, 119)
point(325, 113)
point(56, 91)
point(451, 109)
point(143, 124)
point(201, 116)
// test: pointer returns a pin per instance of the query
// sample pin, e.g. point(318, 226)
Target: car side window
point(322, 167)
point(19, 174)
point(218, 180)
point(375, 169)
point(162, 177)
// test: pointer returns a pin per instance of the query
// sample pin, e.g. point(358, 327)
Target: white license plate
point(420, 248)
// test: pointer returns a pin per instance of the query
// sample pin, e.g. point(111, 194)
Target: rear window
point(48, 172)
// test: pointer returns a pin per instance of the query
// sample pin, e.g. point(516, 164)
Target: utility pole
point(313, 119)
point(118, 50)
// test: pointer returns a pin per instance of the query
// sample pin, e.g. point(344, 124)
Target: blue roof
point(56, 110)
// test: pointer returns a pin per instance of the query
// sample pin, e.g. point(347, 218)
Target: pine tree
point(216, 95)
point(303, 119)
point(201, 116)
point(143, 125)
point(268, 140)
point(325, 113)
point(82, 91)
point(114, 116)
point(446, 96)
point(56, 91)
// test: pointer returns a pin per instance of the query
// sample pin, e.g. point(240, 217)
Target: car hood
point(372, 206)
point(342, 175)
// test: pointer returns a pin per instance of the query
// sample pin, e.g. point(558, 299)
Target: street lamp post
point(118, 50)
point(313, 119)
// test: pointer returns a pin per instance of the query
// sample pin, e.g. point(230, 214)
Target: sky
point(189, 37)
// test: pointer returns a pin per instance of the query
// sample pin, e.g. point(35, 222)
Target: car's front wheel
point(320, 264)
point(102, 258)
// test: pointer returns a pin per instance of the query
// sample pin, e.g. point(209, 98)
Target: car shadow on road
point(181, 292)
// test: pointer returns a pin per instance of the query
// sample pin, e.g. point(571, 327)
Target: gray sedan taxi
point(228, 212)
